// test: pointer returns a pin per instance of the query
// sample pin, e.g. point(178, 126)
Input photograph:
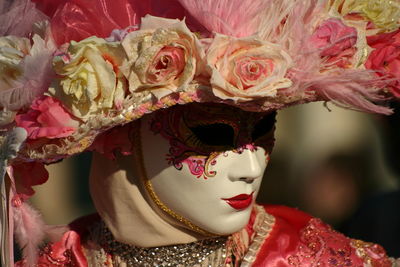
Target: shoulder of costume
point(290, 215)
point(298, 239)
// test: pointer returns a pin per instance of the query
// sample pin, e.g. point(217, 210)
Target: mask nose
point(248, 165)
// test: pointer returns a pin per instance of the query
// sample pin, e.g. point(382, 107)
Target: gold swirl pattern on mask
point(211, 161)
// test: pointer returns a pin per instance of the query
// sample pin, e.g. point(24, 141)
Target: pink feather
point(237, 18)
point(54, 233)
point(35, 80)
point(18, 16)
point(348, 88)
point(353, 90)
point(29, 231)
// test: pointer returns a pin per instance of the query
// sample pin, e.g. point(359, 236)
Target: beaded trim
point(189, 254)
point(206, 253)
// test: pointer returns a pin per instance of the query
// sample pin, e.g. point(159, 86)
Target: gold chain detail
point(138, 154)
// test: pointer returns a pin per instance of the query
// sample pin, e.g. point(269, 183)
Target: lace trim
point(262, 229)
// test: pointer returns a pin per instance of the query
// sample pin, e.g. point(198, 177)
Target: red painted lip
point(240, 202)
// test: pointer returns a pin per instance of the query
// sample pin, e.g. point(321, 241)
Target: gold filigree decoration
point(207, 172)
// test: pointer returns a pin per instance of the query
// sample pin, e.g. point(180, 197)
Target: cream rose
point(90, 79)
point(247, 68)
point(385, 14)
point(162, 56)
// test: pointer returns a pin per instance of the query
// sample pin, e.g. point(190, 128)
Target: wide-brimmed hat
point(72, 70)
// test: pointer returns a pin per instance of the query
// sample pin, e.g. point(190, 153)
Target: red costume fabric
point(296, 240)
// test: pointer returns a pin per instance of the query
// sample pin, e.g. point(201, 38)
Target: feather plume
point(29, 231)
point(353, 89)
point(271, 26)
point(36, 77)
point(237, 18)
point(291, 25)
point(18, 16)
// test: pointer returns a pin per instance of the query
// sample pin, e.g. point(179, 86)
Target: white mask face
point(206, 163)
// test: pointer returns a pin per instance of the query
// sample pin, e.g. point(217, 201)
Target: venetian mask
point(204, 163)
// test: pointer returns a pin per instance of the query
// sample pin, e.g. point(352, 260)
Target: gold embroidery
point(369, 252)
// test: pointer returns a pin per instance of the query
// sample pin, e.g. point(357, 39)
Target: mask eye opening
point(215, 134)
point(264, 126)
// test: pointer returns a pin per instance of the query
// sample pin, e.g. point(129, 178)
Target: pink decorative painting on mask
point(198, 135)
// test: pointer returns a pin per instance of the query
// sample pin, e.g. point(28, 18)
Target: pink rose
point(244, 69)
point(385, 59)
point(252, 70)
point(163, 57)
point(336, 41)
point(167, 65)
point(47, 118)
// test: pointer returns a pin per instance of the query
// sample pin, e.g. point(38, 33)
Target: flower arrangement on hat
point(83, 86)
point(67, 80)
